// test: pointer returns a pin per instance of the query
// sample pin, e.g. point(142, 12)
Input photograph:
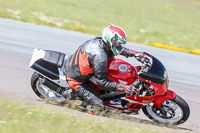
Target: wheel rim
point(48, 93)
point(169, 112)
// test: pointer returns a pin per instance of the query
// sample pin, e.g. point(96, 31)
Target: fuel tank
point(121, 71)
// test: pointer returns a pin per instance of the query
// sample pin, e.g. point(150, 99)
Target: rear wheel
point(43, 91)
point(175, 111)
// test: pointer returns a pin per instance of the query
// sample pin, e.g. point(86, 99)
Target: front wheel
point(175, 111)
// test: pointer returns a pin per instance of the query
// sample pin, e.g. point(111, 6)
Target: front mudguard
point(169, 95)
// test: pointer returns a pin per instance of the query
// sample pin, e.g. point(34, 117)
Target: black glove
point(129, 90)
point(142, 58)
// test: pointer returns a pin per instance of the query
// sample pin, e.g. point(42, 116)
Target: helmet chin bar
point(116, 51)
point(116, 45)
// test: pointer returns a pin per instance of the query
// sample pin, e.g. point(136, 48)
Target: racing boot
point(69, 94)
point(71, 98)
point(93, 104)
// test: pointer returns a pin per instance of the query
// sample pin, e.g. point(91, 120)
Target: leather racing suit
point(90, 59)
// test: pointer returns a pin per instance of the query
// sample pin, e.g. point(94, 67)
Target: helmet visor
point(117, 45)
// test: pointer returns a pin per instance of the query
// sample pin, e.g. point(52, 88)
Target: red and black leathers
point(91, 60)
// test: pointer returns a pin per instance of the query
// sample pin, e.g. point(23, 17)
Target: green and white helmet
point(114, 36)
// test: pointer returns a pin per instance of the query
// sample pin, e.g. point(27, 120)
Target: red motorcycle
point(153, 97)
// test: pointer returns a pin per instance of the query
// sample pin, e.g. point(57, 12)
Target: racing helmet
point(114, 36)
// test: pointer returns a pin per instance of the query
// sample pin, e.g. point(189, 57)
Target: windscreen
point(157, 73)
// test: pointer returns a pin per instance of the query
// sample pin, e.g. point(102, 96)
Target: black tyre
point(173, 112)
point(34, 80)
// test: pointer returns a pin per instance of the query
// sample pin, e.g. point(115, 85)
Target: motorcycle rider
point(90, 59)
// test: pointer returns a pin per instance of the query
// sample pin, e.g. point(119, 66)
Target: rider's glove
point(140, 56)
point(129, 90)
point(143, 58)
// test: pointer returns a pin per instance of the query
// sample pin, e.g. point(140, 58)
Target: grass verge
point(27, 118)
point(172, 22)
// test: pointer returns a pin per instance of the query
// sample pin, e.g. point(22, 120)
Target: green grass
point(28, 118)
point(173, 22)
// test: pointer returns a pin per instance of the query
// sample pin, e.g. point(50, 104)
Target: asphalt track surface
point(18, 39)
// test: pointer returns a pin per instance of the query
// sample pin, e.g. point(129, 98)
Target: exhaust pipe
point(52, 86)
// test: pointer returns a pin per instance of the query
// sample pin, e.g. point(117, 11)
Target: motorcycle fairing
point(168, 96)
point(139, 102)
point(156, 76)
point(50, 64)
point(128, 107)
point(160, 89)
point(161, 94)
point(47, 62)
point(157, 73)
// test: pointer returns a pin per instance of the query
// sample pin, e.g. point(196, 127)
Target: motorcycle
point(153, 97)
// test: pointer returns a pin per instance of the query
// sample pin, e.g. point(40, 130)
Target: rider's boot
point(94, 104)
point(68, 94)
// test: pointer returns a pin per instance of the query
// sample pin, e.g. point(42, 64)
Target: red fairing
point(160, 89)
point(169, 95)
point(121, 71)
